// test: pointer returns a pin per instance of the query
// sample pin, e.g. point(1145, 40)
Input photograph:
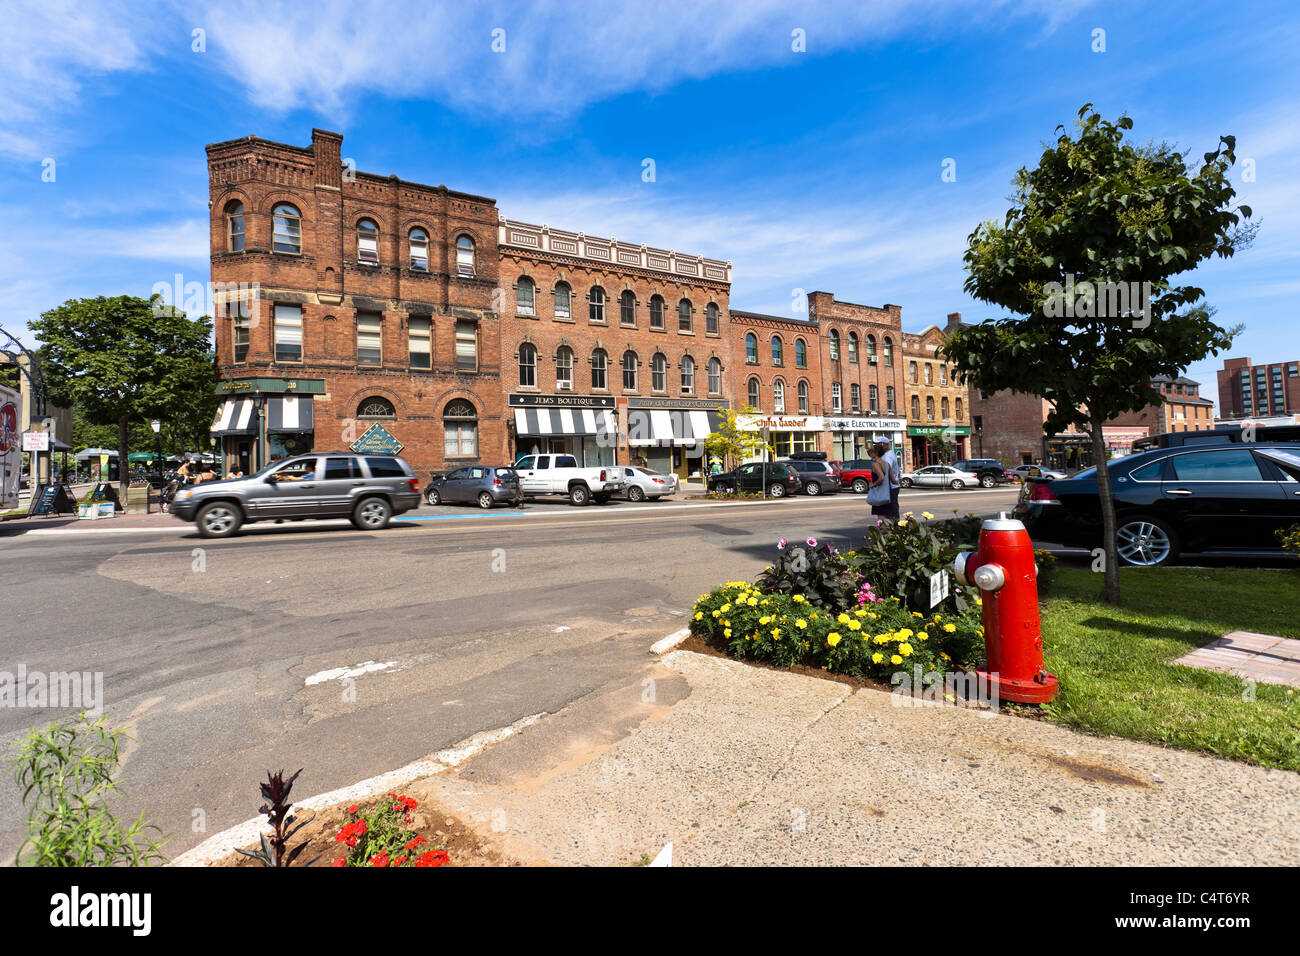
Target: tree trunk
point(123, 469)
point(1110, 580)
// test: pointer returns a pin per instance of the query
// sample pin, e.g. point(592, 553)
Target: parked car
point(369, 489)
point(819, 476)
point(856, 475)
point(1217, 436)
point(561, 475)
point(778, 477)
point(1168, 501)
point(642, 483)
point(989, 470)
point(938, 476)
point(1021, 472)
point(487, 485)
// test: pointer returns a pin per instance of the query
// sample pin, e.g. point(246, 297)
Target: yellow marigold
point(903, 523)
point(926, 515)
point(905, 649)
point(798, 599)
point(895, 660)
point(764, 619)
point(854, 626)
point(752, 601)
point(877, 657)
point(801, 623)
point(727, 633)
point(699, 615)
point(944, 656)
point(843, 619)
point(833, 638)
point(922, 636)
point(861, 613)
point(725, 608)
point(717, 614)
point(905, 632)
point(950, 628)
point(776, 633)
point(917, 614)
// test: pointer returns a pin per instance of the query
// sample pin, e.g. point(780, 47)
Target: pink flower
point(781, 545)
point(811, 542)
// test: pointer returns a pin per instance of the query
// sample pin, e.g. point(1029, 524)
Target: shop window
point(460, 430)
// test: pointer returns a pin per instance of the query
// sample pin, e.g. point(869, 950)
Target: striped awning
point(236, 416)
point(289, 413)
point(563, 421)
point(655, 426)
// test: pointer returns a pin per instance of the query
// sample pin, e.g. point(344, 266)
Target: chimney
point(327, 149)
point(954, 320)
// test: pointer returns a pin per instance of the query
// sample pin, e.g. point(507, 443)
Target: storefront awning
point(288, 414)
point(563, 421)
point(236, 416)
point(656, 426)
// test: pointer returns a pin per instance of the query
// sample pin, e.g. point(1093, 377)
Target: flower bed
point(864, 613)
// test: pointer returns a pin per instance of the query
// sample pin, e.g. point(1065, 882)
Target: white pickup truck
point(560, 475)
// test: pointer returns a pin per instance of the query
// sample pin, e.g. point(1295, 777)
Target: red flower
point(414, 843)
point(380, 860)
point(340, 862)
point(400, 861)
point(433, 858)
point(352, 809)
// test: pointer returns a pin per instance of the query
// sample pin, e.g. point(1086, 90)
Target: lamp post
point(157, 443)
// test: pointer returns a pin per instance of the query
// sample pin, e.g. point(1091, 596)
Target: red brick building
point(1183, 409)
point(1258, 391)
point(350, 305)
point(937, 404)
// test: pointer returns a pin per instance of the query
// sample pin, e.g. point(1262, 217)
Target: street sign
point(36, 441)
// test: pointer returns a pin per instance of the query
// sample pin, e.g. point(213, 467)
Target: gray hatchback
point(484, 484)
point(369, 489)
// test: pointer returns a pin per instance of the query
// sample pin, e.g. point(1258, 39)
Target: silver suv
point(369, 489)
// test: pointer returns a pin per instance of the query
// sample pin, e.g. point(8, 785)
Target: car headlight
point(185, 494)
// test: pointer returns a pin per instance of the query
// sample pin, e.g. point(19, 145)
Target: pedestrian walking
point(891, 460)
point(879, 495)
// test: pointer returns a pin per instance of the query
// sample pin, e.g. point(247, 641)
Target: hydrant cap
point(1001, 524)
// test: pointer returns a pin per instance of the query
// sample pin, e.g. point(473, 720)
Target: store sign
point(938, 430)
point(700, 404)
point(377, 440)
point(306, 386)
point(561, 401)
point(866, 424)
point(781, 423)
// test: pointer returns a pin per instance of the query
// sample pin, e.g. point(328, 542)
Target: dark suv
point(779, 477)
point(1204, 497)
point(369, 489)
point(819, 476)
point(989, 470)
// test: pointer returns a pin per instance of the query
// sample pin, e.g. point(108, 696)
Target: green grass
point(1115, 664)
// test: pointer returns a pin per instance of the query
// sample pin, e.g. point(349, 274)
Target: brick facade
point(934, 399)
point(1258, 391)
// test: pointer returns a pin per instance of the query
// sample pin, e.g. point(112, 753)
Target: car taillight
point(1039, 492)
point(602, 474)
point(789, 477)
point(414, 485)
point(496, 482)
point(658, 481)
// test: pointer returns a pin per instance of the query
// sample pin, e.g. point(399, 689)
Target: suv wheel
point(579, 495)
point(1146, 542)
point(860, 486)
point(988, 481)
point(371, 514)
point(432, 496)
point(776, 490)
point(218, 520)
point(486, 501)
point(813, 488)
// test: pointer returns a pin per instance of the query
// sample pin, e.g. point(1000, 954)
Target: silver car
point(369, 489)
point(642, 483)
point(939, 476)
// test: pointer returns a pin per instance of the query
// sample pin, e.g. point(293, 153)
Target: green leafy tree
point(1083, 261)
point(733, 444)
point(125, 359)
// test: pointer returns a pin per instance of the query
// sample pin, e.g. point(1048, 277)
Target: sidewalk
point(751, 766)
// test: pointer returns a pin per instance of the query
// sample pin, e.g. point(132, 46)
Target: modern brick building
point(350, 308)
point(1257, 391)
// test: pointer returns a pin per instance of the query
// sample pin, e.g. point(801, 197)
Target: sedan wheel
point(433, 497)
point(372, 514)
point(860, 486)
point(957, 484)
point(905, 482)
point(634, 493)
point(218, 520)
point(1145, 543)
point(485, 501)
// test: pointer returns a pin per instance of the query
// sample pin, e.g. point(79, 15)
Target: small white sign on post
point(938, 588)
point(36, 441)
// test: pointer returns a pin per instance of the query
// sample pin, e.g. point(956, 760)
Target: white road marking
point(665, 857)
point(334, 673)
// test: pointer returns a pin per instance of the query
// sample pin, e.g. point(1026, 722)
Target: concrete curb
point(224, 844)
point(663, 645)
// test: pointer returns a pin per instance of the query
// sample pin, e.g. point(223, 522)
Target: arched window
point(419, 243)
point(659, 373)
point(368, 242)
point(873, 398)
point(803, 398)
point(929, 374)
point(889, 399)
point(465, 257)
point(684, 315)
point(778, 396)
point(929, 408)
point(599, 365)
point(564, 367)
point(563, 300)
point(853, 348)
point(751, 393)
point(943, 375)
point(943, 404)
point(834, 339)
point(376, 406)
point(778, 351)
point(715, 377)
point(871, 347)
point(596, 304)
point(800, 353)
point(460, 430)
point(525, 296)
point(629, 371)
point(235, 226)
point(528, 365)
point(959, 410)
point(837, 397)
point(916, 408)
point(889, 351)
point(711, 319)
point(688, 375)
point(751, 348)
point(656, 312)
point(855, 397)
point(911, 371)
point(286, 229)
point(627, 307)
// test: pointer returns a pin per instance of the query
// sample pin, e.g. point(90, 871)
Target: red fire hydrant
point(1003, 569)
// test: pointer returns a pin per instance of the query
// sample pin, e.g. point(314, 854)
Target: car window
point(385, 468)
point(1151, 472)
point(525, 462)
point(565, 461)
point(478, 472)
point(298, 470)
point(457, 475)
point(1288, 461)
point(543, 462)
point(505, 472)
point(341, 468)
point(1230, 464)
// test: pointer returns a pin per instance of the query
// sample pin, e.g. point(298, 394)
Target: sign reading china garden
point(377, 440)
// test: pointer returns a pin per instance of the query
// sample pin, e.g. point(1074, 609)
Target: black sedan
point(779, 477)
point(1194, 498)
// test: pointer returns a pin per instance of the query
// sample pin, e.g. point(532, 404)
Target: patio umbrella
point(140, 456)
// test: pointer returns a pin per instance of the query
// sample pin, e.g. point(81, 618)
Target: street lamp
point(157, 442)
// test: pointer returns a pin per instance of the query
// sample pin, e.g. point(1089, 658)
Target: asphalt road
point(225, 657)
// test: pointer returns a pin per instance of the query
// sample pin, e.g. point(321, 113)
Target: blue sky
point(809, 170)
